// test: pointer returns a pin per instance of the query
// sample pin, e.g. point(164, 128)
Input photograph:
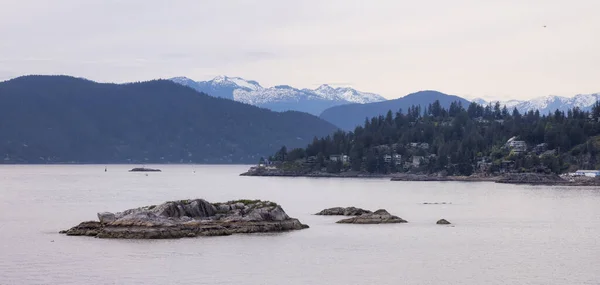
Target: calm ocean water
point(503, 234)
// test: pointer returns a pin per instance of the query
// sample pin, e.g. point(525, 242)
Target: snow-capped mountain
point(281, 97)
point(548, 104)
point(346, 93)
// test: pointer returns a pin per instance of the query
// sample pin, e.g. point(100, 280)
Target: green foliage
point(281, 154)
point(296, 154)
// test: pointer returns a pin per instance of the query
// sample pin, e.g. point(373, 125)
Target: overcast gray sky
point(473, 48)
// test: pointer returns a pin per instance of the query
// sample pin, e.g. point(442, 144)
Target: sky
point(493, 49)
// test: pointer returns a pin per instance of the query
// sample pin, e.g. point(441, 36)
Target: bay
point(501, 234)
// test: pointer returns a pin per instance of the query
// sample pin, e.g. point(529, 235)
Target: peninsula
point(432, 143)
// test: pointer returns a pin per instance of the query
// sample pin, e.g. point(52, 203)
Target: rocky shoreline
point(189, 218)
point(509, 178)
point(266, 172)
point(424, 177)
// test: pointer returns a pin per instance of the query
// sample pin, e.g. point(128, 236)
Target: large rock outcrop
point(189, 218)
point(378, 217)
point(340, 211)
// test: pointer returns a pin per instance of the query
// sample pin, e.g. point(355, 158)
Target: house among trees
point(507, 166)
point(540, 148)
point(416, 160)
point(516, 146)
point(397, 158)
point(339, 157)
point(483, 165)
point(387, 158)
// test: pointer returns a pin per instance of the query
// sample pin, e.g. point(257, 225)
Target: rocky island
point(362, 216)
point(443, 222)
point(380, 216)
point(189, 218)
point(341, 211)
point(144, 169)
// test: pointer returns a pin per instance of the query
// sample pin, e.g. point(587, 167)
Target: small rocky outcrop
point(443, 222)
point(341, 211)
point(378, 217)
point(189, 218)
point(143, 169)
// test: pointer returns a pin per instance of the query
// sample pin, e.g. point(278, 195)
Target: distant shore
point(274, 172)
point(512, 178)
point(264, 172)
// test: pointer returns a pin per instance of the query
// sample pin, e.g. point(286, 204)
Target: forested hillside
point(457, 141)
point(61, 119)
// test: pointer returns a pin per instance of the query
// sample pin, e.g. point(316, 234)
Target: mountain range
point(281, 97)
point(61, 119)
point(548, 104)
point(331, 103)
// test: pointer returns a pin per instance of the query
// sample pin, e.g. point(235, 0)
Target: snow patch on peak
point(236, 82)
point(250, 84)
point(182, 80)
point(346, 94)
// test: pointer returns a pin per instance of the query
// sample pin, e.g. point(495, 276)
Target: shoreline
point(316, 174)
point(516, 179)
point(356, 174)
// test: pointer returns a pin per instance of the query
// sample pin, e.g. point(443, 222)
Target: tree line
point(459, 138)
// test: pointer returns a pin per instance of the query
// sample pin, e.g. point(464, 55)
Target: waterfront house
point(587, 173)
point(339, 157)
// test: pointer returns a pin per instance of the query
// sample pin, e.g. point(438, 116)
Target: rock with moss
point(341, 211)
point(189, 218)
point(378, 217)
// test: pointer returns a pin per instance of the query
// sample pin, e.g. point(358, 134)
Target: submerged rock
point(340, 211)
point(443, 222)
point(378, 217)
point(189, 218)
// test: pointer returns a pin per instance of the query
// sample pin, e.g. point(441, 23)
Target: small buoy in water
point(52, 241)
point(146, 174)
